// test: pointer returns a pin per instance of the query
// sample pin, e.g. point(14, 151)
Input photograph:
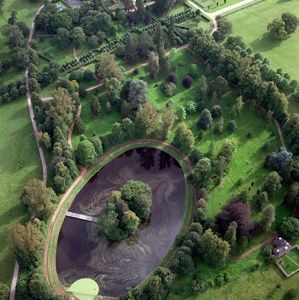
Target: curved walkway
point(84, 171)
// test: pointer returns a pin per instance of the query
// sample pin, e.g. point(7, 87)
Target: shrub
point(219, 280)
point(169, 89)
point(232, 126)
point(187, 81)
point(190, 107)
point(79, 125)
point(171, 78)
point(216, 111)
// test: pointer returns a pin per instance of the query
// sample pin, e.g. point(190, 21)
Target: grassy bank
point(19, 163)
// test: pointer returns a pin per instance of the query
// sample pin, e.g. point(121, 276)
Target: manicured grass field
point(251, 24)
point(96, 124)
point(214, 5)
point(19, 163)
point(266, 283)
point(290, 261)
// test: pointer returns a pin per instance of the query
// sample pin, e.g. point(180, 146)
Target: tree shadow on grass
point(265, 43)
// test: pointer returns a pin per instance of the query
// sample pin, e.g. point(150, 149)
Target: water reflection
point(83, 250)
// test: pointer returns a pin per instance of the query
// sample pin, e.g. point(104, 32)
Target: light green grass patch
point(85, 289)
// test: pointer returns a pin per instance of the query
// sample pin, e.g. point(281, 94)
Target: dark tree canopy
point(240, 213)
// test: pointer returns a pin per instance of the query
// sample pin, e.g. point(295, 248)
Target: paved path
point(81, 217)
point(258, 246)
point(212, 16)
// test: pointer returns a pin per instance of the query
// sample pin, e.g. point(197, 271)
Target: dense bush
point(169, 89)
point(187, 82)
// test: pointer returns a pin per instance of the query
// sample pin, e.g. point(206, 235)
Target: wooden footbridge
point(81, 217)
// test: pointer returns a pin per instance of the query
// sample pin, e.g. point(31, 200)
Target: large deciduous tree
point(138, 196)
point(27, 244)
point(38, 198)
point(184, 138)
point(214, 250)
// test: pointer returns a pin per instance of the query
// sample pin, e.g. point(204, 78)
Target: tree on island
point(126, 209)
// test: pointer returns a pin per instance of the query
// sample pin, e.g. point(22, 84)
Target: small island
point(126, 210)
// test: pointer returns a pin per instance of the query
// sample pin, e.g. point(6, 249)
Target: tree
point(153, 65)
point(147, 121)
point(162, 7)
point(27, 244)
point(164, 62)
point(61, 109)
point(205, 120)
point(266, 219)
point(130, 50)
point(131, 222)
point(95, 105)
point(235, 211)
point(79, 125)
point(272, 183)
point(182, 264)
point(289, 228)
point(280, 161)
point(97, 143)
point(20, 58)
point(224, 29)
point(214, 250)
point(4, 291)
point(290, 22)
point(139, 197)
point(184, 138)
point(238, 106)
point(220, 85)
point(232, 126)
point(277, 29)
point(140, 10)
point(153, 288)
point(38, 199)
point(138, 94)
point(62, 38)
point(77, 36)
point(260, 200)
point(187, 82)
point(231, 235)
point(167, 120)
point(202, 172)
point(107, 67)
point(39, 288)
point(85, 153)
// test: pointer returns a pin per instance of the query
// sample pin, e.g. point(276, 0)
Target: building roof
point(281, 247)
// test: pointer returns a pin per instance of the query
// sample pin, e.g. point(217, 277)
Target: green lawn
point(214, 5)
point(266, 283)
point(19, 163)
point(96, 124)
point(290, 261)
point(251, 25)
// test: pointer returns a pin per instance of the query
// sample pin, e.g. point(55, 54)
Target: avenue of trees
point(126, 209)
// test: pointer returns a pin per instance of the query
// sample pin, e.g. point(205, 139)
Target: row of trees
point(241, 71)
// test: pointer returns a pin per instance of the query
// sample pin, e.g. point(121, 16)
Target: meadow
point(251, 24)
point(19, 163)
